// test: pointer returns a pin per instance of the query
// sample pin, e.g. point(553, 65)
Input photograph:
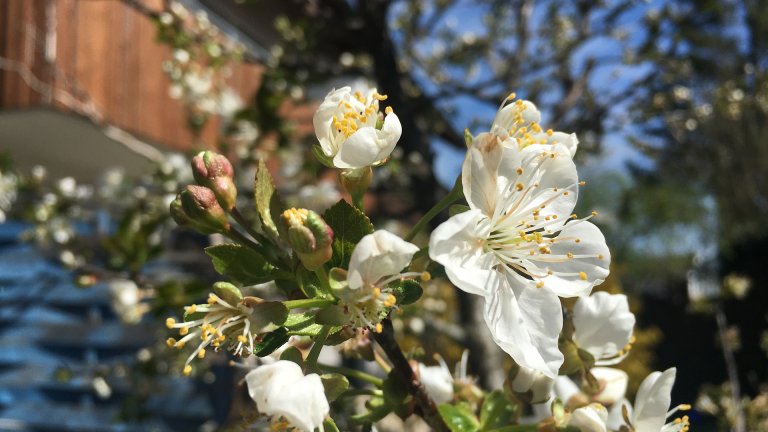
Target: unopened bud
point(529, 385)
point(356, 181)
point(197, 208)
point(309, 236)
point(215, 172)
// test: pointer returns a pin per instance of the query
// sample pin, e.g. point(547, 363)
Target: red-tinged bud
point(215, 172)
point(197, 208)
point(309, 236)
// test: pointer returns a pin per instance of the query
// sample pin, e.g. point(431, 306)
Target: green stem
point(241, 238)
point(307, 303)
point(352, 373)
point(362, 392)
point(449, 199)
point(314, 353)
point(358, 200)
point(322, 275)
point(247, 226)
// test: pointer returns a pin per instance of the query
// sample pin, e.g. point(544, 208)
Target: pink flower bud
point(215, 172)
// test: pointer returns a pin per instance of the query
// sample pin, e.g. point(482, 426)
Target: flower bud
point(356, 181)
point(215, 172)
point(197, 208)
point(529, 385)
point(309, 236)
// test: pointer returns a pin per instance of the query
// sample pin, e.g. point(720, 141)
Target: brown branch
point(404, 371)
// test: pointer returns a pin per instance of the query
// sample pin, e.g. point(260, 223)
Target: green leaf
point(268, 316)
point(331, 315)
point(241, 264)
point(407, 291)
point(321, 157)
point(293, 354)
point(268, 203)
point(497, 411)
point(303, 324)
point(527, 428)
point(334, 385)
point(349, 225)
point(458, 418)
point(271, 342)
point(330, 426)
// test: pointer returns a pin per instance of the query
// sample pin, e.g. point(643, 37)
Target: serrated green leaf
point(407, 291)
point(497, 411)
point(241, 264)
point(349, 225)
point(311, 330)
point(299, 320)
point(271, 342)
point(458, 418)
point(268, 203)
point(334, 385)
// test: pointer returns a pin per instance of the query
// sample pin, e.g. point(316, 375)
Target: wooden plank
point(67, 26)
point(90, 71)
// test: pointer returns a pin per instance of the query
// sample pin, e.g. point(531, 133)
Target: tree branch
point(404, 371)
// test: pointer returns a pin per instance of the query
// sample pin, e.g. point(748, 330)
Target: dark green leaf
point(293, 354)
point(349, 225)
point(458, 418)
point(241, 264)
point(271, 342)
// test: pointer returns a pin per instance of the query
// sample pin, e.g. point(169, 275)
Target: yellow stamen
point(187, 370)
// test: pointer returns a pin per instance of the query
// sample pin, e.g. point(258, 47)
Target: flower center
point(357, 112)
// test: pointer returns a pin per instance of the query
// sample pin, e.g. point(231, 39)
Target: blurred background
point(103, 101)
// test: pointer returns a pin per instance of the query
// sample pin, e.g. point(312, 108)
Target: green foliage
point(458, 418)
point(334, 384)
point(268, 203)
point(497, 411)
point(271, 342)
point(349, 225)
point(241, 264)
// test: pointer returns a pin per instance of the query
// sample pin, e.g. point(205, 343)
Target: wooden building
point(82, 85)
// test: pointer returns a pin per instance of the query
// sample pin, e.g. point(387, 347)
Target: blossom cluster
point(518, 246)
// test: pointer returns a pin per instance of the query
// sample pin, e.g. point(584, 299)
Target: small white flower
point(604, 326)
point(282, 391)
point(652, 402)
point(376, 261)
point(519, 121)
point(516, 248)
point(590, 418)
point(438, 381)
point(126, 300)
point(537, 383)
point(347, 125)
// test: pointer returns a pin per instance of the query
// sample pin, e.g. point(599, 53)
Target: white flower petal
point(525, 323)
point(505, 117)
point(603, 324)
point(281, 389)
point(378, 255)
point(369, 145)
point(437, 381)
point(535, 382)
point(565, 388)
point(590, 418)
point(652, 401)
point(324, 117)
point(615, 417)
point(613, 384)
point(457, 245)
point(479, 173)
point(570, 141)
point(591, 257)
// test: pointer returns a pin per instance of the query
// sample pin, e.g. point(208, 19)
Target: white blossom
point(652, 402)
point(520, 122)
point(352, 130)
point(517, 246)
point(590, 418)
point(438, 381)
point(604, 326)
point(377, 260)
point(283, 392)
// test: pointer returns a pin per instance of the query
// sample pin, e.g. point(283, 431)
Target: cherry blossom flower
point(292, 399)
point(351, 129)
point(604, 326)
point(518, 246)
point(651, 408)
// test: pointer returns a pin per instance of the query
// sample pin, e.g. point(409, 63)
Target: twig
point(386, 339)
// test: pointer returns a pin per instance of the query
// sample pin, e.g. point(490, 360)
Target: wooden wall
point(105, 51)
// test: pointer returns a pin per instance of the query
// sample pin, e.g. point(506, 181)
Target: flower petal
point(603, 324)
point(479, 173)
point(590, 418)
point(504, 122)
point(652, 401)
point(570, 141)
point(369, 145)
point(525, 323)
point(457, 245)
point(588, 267)
point(613, 384)
point(437, 381)
point(324, 117)
point(378, 255)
